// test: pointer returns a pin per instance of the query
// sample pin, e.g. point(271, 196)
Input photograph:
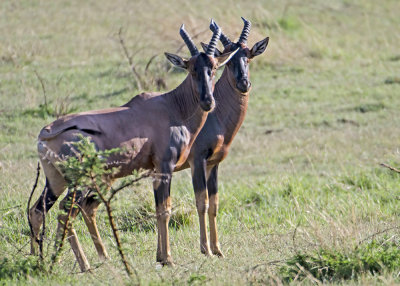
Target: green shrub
point(330, 265)
point(20, 269)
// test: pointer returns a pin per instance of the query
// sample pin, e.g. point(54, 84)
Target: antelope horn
point(213, 42)
point(224, 39)
point(188, 41)
point(245, 32)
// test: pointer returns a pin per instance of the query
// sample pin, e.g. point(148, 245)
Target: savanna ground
point(303, 174)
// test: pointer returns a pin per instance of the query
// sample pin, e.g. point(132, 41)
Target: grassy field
point(302, 178)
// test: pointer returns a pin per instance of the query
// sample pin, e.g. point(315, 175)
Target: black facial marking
point(239, 66)
point(204, 74)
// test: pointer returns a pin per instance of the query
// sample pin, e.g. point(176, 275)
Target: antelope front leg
point(212, 186)
point(163, 213)
point(200, 191)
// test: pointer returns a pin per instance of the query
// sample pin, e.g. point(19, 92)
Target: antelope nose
point(207, 104)
point(244, 85)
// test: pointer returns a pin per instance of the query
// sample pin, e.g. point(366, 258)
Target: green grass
point(303, 173)
point(330, 265)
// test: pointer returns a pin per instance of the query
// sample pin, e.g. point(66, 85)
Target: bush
point(331, 265)
point(20, 269)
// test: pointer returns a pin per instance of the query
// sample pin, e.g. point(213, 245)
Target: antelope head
point(202, 66)
point(239, 64)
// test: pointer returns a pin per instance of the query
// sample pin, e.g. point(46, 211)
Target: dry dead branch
point(390, 167)
point(138, 78)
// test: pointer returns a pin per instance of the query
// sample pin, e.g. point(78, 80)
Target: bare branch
point(390, 167)
point(129, 183)
point(107, 203)
point(30, 198)
point(376, 234)
point(149, 63)
point(43, 89)
point(10, 208)
point(136, 75)
point(43, 233)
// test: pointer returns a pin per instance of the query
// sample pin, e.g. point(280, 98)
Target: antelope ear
point(217, 52)
point(224, 58)
point(177, 61)
point(259, 48)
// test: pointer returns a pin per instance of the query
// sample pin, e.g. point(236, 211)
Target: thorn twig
point(390, 167)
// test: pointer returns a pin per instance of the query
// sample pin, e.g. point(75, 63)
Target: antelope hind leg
point(89, 211)
point(71, 233)
point(200, 191)
point(55, 186)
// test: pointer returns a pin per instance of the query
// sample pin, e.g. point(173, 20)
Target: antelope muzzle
point(243, 85)
point(208, 103)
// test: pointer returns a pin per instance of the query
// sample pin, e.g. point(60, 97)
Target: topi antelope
point(156, 132)
point(212, 144)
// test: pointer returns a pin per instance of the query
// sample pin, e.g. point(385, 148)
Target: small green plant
point(89, 170)
point(20, 268)
point(196, 279)
point(330, 265)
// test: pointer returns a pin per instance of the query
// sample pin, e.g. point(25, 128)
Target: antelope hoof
point(218, 253)
point(34, 247)
point(104, 258)
point(168, 262)
point(206, 252)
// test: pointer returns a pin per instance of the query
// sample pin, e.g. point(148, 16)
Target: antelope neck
point(231, 103)
point(184, 103)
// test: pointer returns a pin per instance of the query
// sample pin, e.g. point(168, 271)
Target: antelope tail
point(30, 198)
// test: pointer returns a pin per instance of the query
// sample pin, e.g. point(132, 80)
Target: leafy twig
point(112, 223)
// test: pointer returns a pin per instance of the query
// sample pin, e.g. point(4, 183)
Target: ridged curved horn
point(245, 32)
point(188, 41)
point(224, 39)
point(213, 42)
